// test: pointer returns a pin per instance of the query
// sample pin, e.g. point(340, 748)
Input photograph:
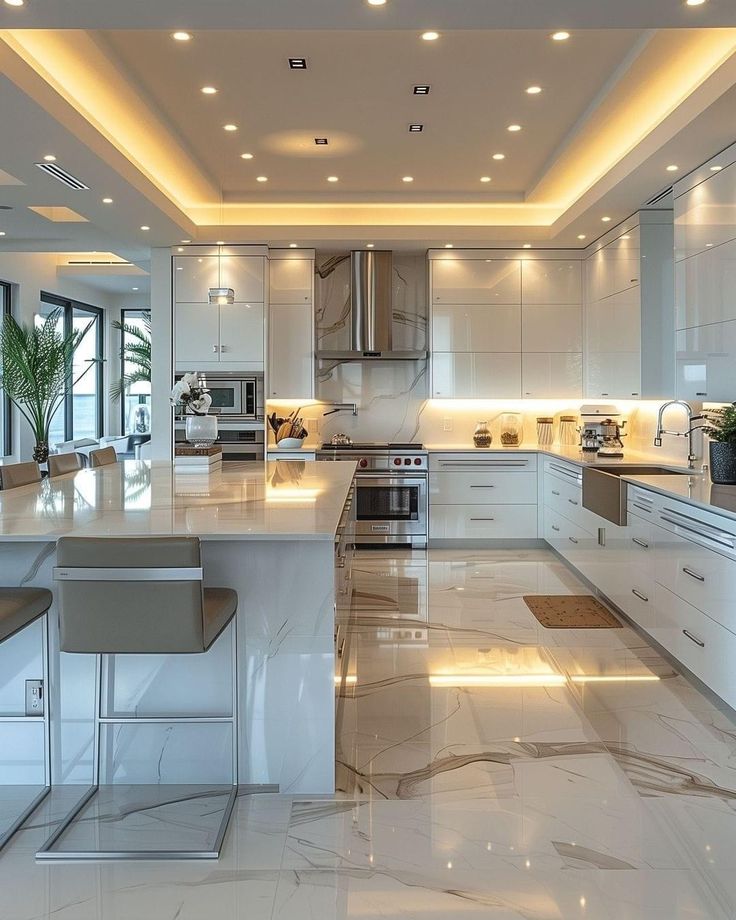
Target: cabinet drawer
point(566, 498)
point(699, 575)
point(701, 644)
point(565, 472)
point(482, 461)
point(483, 488)
point(572, 542)
point(493, 522)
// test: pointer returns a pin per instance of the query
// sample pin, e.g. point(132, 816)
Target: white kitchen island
point(268, 531)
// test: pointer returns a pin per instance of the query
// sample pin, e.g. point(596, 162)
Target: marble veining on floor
point(487, 768)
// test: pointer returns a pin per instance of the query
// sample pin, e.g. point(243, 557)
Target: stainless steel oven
point(391, 492)
point(234, 394)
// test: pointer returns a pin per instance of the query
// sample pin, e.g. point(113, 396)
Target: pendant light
point(220, 294)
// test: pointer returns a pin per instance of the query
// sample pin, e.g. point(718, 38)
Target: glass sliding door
point(5, 406)
point(135, 358)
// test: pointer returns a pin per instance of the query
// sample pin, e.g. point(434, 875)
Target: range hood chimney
point(371, 310)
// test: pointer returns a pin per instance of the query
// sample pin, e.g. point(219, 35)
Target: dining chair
point(13, 475)
point(59, 464)
point(103, 457)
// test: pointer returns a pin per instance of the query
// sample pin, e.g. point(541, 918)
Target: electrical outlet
point(34, 698)
point(312, 425)
point(447, 424)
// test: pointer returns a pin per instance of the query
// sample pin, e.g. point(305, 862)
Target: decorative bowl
point(290, 443)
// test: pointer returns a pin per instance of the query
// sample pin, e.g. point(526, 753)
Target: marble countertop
point(697, 490)
point(282, 500)
point(573, 454)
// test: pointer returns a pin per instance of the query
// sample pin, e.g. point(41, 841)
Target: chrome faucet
point(338, 407)
point(688, 433)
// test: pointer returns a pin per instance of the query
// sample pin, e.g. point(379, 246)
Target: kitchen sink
point(605, 494)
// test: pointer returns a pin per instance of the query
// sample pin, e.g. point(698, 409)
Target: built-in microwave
point(234, 395)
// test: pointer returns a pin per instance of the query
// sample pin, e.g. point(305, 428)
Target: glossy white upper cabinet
point(551, 282)
point(614, 267)
point(553, 327)
point(241, 334)
point(471, 375)
point(705, 215)
point(474, 281)
point(195, 275)
point(196, 335)
point(706, 359)
point(291, 351)
point(614, 324)
point(476, 327)
point(553, 375)
point(290, 281)
point(705, 287)
point(614, 374)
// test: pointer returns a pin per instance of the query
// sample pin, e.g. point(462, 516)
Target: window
point(135, 367)
point(81, 413)
point(6, 414)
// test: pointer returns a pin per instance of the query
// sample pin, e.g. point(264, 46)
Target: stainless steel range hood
point(371, 311)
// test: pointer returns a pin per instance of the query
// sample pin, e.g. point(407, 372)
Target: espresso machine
point(601, 431)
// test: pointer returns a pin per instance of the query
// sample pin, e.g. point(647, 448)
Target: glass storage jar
point(545, 430)
point(511, 429)
point(482, 435)
point(569, 430)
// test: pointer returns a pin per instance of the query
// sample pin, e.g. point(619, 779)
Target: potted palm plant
point(721, 429)
point(37, 371)
point(136, 354)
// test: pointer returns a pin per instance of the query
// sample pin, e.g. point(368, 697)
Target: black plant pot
point(723, 462)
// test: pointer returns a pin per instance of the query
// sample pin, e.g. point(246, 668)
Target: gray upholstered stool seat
point(19, 607)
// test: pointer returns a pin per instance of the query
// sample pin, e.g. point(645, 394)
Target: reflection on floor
point(487, 768)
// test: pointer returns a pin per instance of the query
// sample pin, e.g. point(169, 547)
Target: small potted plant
point(194, 401)
point(721, 429)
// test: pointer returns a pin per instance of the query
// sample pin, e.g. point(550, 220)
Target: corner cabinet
point(505, 326)
point(628, 311)
point(219, 337)
point(290, 368)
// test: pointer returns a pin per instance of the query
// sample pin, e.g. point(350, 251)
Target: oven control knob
point(407, 461)
point(363, 462)
point(417, 461)
point(397, 461)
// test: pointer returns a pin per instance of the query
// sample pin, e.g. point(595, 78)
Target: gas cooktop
point(374, 446)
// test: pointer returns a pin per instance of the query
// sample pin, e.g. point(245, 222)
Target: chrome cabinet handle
point(639, 542)
point(554, 492)
point(555, 528)
point(642, 507)
point(483, 519)
point(642, 597)
point(717, 536)
point(215, 348)
point(572, 501)
point(693, 638)
point(482, 487)
point(572, 539)
point(692, 574)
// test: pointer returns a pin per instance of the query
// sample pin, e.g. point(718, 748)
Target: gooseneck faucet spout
point(688, 433)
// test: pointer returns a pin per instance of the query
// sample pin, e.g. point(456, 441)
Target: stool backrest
point(103, 457)
point(136, 596)
point(13, 475)
point(63, 463)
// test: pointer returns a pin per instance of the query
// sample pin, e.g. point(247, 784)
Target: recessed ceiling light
point(376, 2)
point(709, 245)
point(219, 242)
point(246, 156)
point(144, 227)
point(448, 245)
point(672, 167)
point(209, 90)
point(430, 36)
point(107, 200)
point(369, 245)
point(485, 178)
point(298, 63)
point(581, 236)
point(186, 241)
point(321, 141)
point(514, 128)
point(560, 36)
point(293, 245)
point(408, 179)
point(605, 219)
point(626, 236)
point(415, 129)
point(333, 178)
point(261, 178)
point(687, 2)
point(181, 36)
point(230, 127)
point(2, 233)
point(499, 156)
point(15, 2)
point(134, 289)
point(527, 246)
point(50, 158)
point(534, 90)
point(716, 168)
point(422, 89)
point(180, 249)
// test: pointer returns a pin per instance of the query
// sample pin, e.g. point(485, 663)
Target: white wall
point(33, 272)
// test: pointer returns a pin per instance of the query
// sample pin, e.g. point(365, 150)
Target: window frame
point(123, 314)
point(6, 304)
point(69, 306)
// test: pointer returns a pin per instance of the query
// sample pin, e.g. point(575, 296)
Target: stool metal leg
point(47, 851)
point(36, 801)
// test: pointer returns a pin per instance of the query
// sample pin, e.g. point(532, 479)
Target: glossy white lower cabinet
point(483, 488)
point(474, 522)
point(476, 375)
point(550, 376)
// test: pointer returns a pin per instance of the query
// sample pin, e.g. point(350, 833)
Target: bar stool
point(13, 475)
point(59, 464)
point(103, 457)
point(121, 596)
point(19, 608)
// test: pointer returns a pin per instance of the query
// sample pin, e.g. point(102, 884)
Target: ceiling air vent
point(660, 196)
point(53, 169)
